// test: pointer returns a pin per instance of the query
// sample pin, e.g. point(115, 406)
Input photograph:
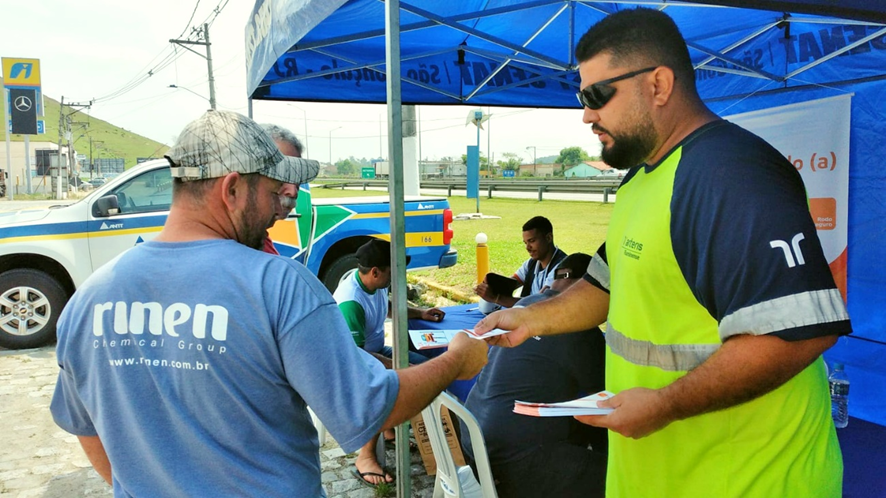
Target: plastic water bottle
point(839, 386)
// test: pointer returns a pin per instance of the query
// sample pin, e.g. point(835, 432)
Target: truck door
point(144, 202)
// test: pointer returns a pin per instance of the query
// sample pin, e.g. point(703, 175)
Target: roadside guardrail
point(605, 187)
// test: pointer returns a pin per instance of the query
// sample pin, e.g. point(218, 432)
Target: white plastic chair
point(318, 424)
point(321, 437)
point(451, 479)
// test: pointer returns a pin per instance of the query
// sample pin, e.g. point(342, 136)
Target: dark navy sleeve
point(745, 241)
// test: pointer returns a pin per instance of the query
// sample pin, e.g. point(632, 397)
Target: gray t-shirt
point(194, 363)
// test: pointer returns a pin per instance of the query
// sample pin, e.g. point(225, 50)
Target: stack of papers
point(430, 339)
point(580, 406)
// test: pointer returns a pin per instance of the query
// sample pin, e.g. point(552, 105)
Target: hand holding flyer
point(430, 339)
point(581, 406)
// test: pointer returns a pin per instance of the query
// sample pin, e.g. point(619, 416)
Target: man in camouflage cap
point(188, 362)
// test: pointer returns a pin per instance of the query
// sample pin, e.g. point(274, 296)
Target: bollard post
point(489, 192)
point(606, 195)
point(449, 191)
point(541, 189)
point(482, 256)
point(364, 186)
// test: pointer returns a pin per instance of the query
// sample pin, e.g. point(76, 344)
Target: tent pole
point(398, 240)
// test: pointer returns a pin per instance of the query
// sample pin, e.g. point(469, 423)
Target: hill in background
point(108, 141)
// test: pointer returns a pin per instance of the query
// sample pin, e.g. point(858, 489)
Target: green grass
point(578, 227)
point(32, 197)
point(118, 142)
point(385, 490)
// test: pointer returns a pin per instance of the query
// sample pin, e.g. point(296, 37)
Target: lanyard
point(545, 270)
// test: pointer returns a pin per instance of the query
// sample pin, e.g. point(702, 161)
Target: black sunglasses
point(563, 274)
point(596, 95)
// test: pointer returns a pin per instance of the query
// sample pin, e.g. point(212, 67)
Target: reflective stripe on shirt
point(787, 312)
point(599, 271)
point(669, 357)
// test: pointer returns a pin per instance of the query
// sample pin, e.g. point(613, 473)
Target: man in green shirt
point(362, 297)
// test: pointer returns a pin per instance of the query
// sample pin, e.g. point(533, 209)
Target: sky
point(95, 49)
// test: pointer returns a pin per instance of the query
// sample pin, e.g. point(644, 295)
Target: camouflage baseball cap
point(222, 142)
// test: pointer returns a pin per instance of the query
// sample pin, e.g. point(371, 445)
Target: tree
point(510, 163)
point(359, 163)
point(345, 168)
point(570, 156)
point(484, 162)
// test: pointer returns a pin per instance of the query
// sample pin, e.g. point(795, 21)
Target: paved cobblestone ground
point(39, 459)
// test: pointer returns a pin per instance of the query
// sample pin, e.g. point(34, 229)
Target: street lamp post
point(98, 148)
point(330, 144)
point(305, 113)
point(533, 158)
point(177, 87)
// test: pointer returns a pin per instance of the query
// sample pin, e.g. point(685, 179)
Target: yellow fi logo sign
point(21, 72)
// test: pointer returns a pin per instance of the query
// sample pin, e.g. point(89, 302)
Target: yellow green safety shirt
point(713, 241)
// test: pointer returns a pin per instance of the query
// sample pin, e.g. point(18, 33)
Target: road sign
point(367, 172)
point(23, 113)
point(41, 126)
point(508, 173)
point(21, 73)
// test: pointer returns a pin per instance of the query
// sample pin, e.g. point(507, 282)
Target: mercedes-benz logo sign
point(22, 104)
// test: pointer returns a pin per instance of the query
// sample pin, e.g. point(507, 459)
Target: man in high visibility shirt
point(714, 335)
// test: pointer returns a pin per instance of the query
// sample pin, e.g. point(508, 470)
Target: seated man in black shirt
point(535, 456)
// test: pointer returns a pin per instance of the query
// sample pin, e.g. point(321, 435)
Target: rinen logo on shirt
point(632, 248)
point(175, 319)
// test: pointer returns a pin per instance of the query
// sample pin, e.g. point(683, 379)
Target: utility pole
point(68, 133)
point(98, 148)
point(58, 155)
point(204, 33)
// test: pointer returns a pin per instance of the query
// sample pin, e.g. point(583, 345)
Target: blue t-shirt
point(194, 363)
point(550, 369)
point(738, 207)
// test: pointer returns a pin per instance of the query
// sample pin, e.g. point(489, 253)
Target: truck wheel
point(30, 303)
point(337, 270)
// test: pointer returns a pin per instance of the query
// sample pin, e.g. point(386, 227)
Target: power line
point(188, 25)
point(138, 80)
point(166, 61)
point(216, 11)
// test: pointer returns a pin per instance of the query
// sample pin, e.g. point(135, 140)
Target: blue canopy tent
point(520, 53)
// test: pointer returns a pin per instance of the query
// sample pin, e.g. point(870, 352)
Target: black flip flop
point(361, 476)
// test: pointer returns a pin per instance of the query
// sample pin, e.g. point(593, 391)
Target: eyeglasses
point(565, 274)
point(596, 95)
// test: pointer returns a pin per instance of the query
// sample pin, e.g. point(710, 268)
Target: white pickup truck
point(46, 254)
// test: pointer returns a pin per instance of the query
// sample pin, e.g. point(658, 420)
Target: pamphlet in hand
point(580, 406)
point(430, 339)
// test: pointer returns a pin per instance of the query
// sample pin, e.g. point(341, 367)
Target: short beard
point(632, 148)
point(251, 229)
